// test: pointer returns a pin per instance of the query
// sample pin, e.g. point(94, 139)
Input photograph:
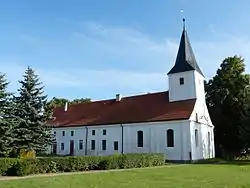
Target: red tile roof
point(141, 108)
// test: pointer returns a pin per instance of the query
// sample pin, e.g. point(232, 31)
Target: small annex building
point(174, 122)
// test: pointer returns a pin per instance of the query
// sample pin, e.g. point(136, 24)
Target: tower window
point(181, 81)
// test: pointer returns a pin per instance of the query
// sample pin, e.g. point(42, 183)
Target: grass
point(193, 175)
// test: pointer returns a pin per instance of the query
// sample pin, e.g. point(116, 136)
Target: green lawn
point(175, 177)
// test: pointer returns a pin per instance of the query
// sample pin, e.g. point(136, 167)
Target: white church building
point(174, 122)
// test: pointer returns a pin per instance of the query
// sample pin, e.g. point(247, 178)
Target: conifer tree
point(32, 131)
point(6, 118)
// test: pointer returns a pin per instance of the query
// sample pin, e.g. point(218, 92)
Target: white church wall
point(113, 134)
point(79, 134)
point(199, 86)
point(201, 121)
point(154, 139)
point(202, 142)
point(181, 92)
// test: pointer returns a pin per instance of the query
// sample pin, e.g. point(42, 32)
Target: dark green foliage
point(61, 101)
point(22, 167)
point(52, 167)
point(54, 102)
point(244, 130)
point(6, 118)
point(142, 160)
point(31, 132)
point(6, 164)
point(114, 162)
point(227, 95)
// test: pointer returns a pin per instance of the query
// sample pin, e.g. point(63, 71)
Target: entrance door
point(71, 152)
point(54, 148)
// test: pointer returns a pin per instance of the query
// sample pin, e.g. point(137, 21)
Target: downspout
point(181, 142)
point(122, 138)
point(86, 141)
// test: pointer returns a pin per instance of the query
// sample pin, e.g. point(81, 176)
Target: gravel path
point(2, 178)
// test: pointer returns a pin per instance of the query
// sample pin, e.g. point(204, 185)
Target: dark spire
point(185, 60)
point(184, 26)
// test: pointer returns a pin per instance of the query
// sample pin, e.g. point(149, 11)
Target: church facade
point(174, 122)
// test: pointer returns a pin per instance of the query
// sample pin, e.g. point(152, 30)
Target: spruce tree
point(6, 118)
point(32, 131)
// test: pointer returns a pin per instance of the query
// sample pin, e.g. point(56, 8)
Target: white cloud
point(126, 58)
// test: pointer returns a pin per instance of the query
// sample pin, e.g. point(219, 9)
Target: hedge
point(23, 167)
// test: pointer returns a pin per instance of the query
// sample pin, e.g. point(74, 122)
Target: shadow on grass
point(223, 162)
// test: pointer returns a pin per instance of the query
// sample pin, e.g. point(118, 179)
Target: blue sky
point(97, 48)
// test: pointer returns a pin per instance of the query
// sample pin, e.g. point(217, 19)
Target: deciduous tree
point(227, 95)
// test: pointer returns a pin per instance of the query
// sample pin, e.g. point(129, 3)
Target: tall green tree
point(226, 95)
point(58, 101)
point(6, 118)
point(32, 131)
point(61, 101)
point(81, 100)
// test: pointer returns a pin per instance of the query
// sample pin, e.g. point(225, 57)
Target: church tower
point(186, 80)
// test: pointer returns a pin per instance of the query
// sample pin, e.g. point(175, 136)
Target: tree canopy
point(24, 116)
point(227, 95)
point(6, 117)
point(61, 101)
point(31, 131)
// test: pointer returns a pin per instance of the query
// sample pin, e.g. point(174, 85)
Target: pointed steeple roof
point(185, 60)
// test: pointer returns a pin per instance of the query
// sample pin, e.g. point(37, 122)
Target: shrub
point(6, 164)
point(52, 167)
point(110, 162)
point(23, 167)
point(141, 160)
point(27, 154)
point(243, 158)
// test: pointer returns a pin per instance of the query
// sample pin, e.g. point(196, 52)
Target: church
point(174, 122)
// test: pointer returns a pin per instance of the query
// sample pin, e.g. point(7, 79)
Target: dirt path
point(2, 178)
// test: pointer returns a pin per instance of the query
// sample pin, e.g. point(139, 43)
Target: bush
point(23, 167)
point(243, 158)
point(27, 154)
point(6, 164)
point(110, 162)
point(141, 160)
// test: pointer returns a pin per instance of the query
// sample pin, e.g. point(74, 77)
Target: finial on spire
point(184, 26)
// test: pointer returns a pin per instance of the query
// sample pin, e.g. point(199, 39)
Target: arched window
point(170, 138)
point(196, 137)
point(139, 139)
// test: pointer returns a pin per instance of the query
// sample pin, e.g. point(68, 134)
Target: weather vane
point(183, 20)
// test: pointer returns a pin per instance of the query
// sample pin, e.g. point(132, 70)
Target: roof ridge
point(113, 99)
